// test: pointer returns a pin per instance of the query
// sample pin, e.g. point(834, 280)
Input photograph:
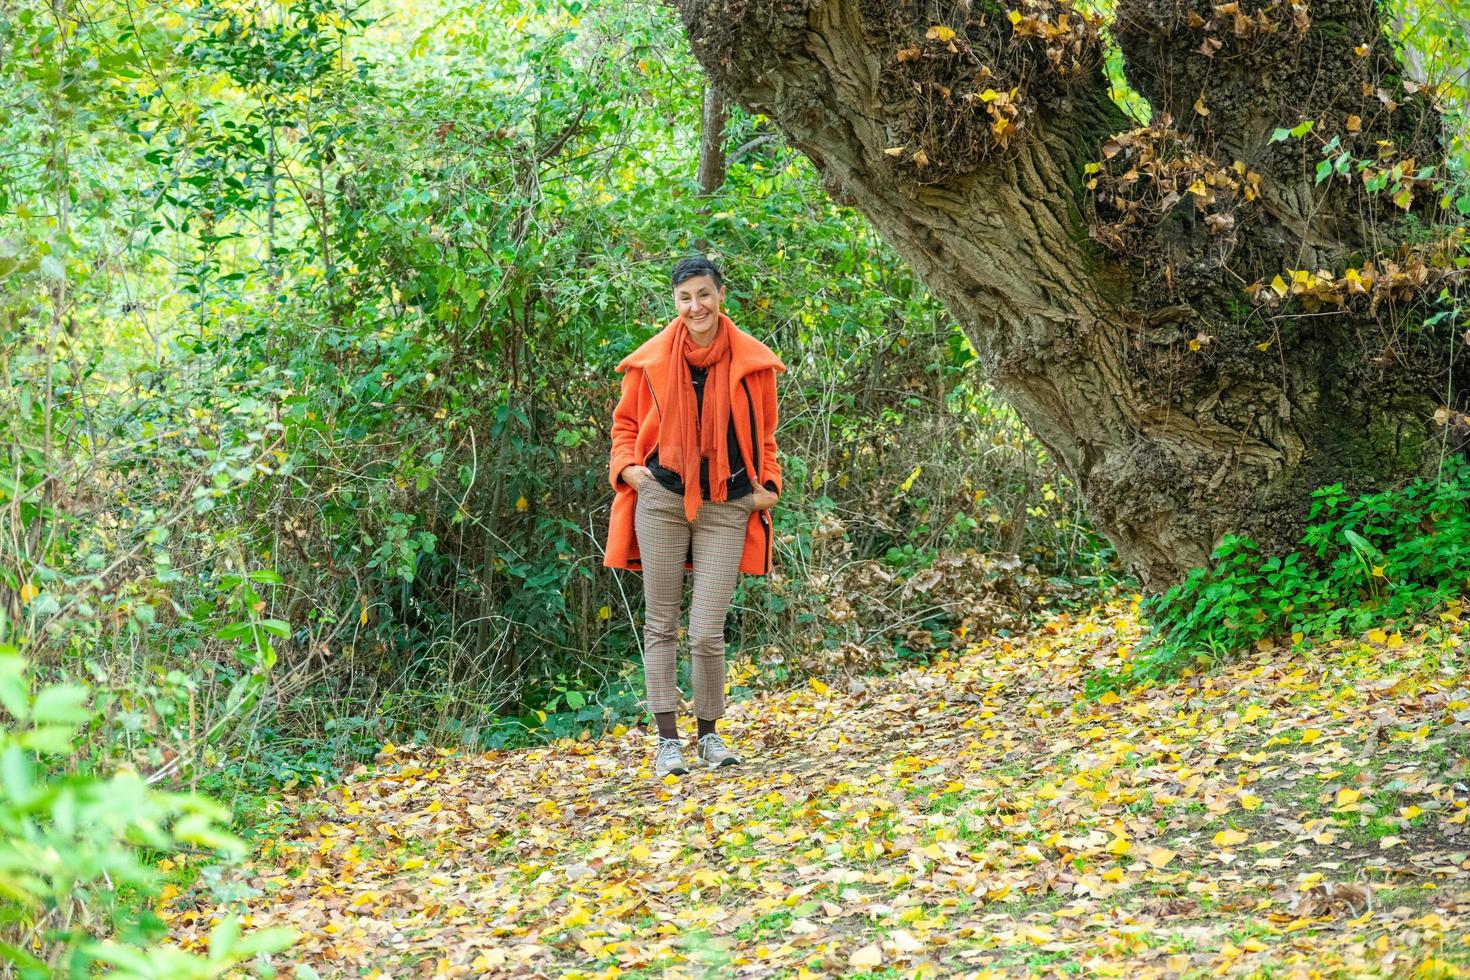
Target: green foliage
point(308, 347)
point(1430, 41)
point(1374, 561)
point(70, 843)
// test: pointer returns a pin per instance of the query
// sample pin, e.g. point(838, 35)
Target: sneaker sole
point(722, 765)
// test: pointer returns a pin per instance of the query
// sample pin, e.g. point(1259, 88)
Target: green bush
point(74, 850)
point(1372, 561)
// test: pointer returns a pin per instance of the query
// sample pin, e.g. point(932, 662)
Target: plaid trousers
point(665, 538)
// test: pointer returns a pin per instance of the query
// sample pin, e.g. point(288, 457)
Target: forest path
point(1286, 814)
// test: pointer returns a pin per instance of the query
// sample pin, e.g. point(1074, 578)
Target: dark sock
point(706, 725)
point(667, 727)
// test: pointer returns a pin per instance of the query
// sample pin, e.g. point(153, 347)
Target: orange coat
point(635, 436)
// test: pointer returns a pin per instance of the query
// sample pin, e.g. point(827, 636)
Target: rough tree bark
point(1121, 283)
point(711, 175)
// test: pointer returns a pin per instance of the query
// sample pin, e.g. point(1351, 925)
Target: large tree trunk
point(1119, 284)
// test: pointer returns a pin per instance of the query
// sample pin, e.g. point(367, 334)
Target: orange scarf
point(687, 434)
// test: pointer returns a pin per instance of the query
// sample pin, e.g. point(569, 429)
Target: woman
point(694, 469)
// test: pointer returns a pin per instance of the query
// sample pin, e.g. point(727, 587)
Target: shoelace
point(666, 745)
point(712, 741)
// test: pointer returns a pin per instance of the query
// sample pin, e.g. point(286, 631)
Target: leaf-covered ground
point(1290, 815)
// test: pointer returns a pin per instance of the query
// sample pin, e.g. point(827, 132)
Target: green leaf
point(16, 774)
point(276, 627)
point(61, 704)
point(197, 828)
point(236, 631)
point(223, 939)
point(54, 739)
point(15, 694)
point(1360, 544)
point(21, 957)
point(135, 961)
point(271, 940)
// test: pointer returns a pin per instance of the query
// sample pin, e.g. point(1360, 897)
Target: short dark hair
point(696, 265)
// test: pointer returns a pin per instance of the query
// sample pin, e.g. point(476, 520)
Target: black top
point(739, 482)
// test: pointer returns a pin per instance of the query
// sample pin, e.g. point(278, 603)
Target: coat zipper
point(656, 408)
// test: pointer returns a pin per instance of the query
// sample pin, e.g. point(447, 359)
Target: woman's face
point(698, 301)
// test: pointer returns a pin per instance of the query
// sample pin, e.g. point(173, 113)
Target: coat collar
point(747, 354)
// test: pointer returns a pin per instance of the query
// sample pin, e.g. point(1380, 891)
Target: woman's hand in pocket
point(763, 499)
point(634, 476)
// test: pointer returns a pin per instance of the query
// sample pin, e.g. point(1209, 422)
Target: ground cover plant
point(1373, 562)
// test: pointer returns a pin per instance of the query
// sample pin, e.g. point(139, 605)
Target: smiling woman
point(695, 471)
point(698, 300)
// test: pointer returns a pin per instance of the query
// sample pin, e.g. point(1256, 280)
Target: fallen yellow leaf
point(1159, 857)
point(1229, 838)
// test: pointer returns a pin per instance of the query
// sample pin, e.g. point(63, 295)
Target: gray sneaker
point(669, 759)
point(713, 753)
